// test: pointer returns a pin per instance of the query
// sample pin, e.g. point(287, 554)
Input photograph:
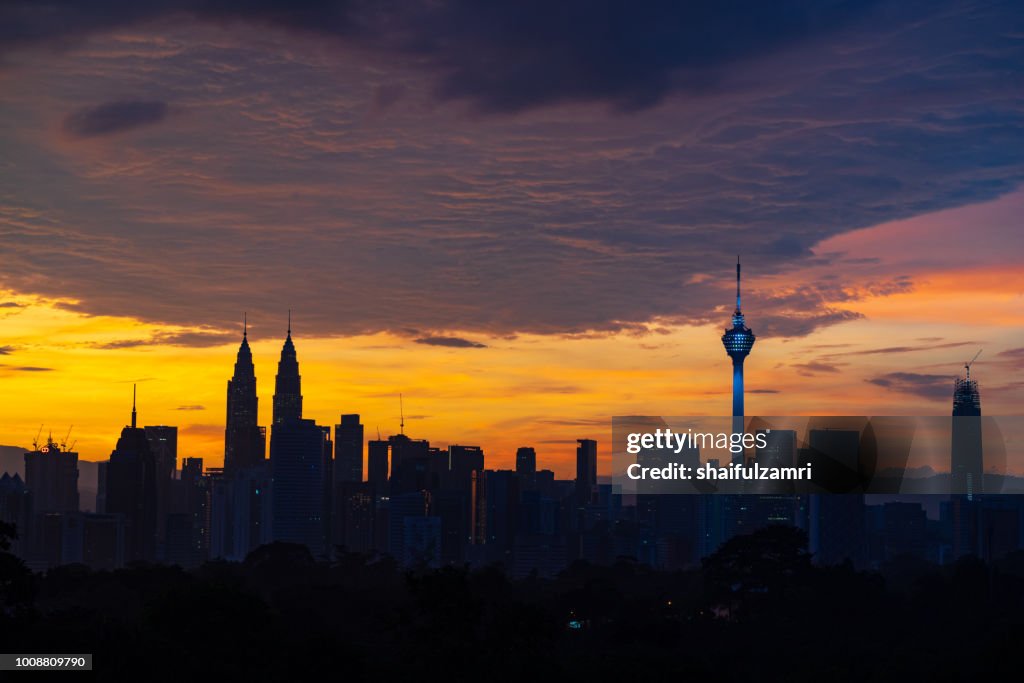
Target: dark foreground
point(756, 610)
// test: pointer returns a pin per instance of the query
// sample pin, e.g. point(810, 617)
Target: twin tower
point(245, 442)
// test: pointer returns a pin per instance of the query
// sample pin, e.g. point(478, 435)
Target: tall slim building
point(586, 470)
point(163, 443)
point(245, 443)
point(131, 490)
point(288, 384)
point(377, 462)
point(738, 342)
point(348, 449)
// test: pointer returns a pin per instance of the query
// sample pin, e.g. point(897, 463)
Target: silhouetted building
point(288, 383)
point(462, 461)
point(410, 464)
point(377, 463)
point(16, 509)
point(163, 443)
point(526, 461)
point(355, 516)
point(299, 475)
point(245, 443)
point(586, 469)
point(131, 491)
point(348, 449)
point(51, 474)
point(966, 462)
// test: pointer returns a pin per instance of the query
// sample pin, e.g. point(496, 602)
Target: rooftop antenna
point(401, 411)
point(378, 432)
point(133, 406)
point(737, 283)
point(968, 365)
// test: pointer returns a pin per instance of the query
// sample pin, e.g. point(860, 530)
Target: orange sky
point(545, 391)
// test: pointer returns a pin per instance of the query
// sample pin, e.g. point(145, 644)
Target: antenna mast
point(401, 411)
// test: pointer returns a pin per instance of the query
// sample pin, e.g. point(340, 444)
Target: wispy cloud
point(451, 342)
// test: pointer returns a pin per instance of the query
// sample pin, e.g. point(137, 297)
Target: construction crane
point(35, 441)
point(967, 366)
point(64, 442)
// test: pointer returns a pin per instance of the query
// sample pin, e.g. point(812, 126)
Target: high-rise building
point(348, 449)
point(586, 470)
point(163, 443)
point(131, 490)
point(245, 443)
point(526, 461)
point(51, 474)
point(288, 384)
point(738, 342)
point(298, 474)
point(377, 463)
point(462, 461)
point(966, 462)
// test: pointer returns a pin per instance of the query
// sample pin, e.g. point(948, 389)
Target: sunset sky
point(524, 220)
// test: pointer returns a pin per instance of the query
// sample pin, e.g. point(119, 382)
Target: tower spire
point(133, 406)
point(289, 322)
point(737, 283)
point(245, 326)
point(401, 412)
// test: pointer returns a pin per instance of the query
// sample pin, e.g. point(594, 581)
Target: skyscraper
point(300, 462)
point(586, 470)
point(738, 342)
point(288, 384)
point(377, 463)
point(245, 443)
point(348, 449)
point(526, 461)
point(131, 490)
point(51, 474)
point(966, 465)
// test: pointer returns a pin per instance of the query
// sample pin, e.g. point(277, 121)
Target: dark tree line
point(758, 609)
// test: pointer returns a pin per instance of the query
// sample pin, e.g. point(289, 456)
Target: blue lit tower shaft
point(738, 341)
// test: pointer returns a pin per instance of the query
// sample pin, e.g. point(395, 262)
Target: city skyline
point(244, 381)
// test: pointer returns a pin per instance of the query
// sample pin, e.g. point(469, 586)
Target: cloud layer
point(611, 161)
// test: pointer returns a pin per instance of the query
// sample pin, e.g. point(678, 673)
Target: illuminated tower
point(738, 341)
point(288, 384)
point(244, 441)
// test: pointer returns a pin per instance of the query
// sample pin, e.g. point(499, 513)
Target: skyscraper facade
point(586, 469)
point(131, 490)
point(526, 461)
point(966, 462)
point(245, 443)
point(51, 474)
point(288, 384)
point(348, 449)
